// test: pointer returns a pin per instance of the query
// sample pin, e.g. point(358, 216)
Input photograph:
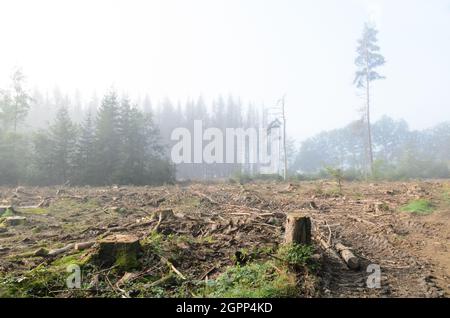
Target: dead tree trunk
point(298, 229)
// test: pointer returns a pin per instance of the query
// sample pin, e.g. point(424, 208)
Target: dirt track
point(412, 250)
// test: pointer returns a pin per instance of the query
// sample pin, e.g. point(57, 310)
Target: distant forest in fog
point(50, 139)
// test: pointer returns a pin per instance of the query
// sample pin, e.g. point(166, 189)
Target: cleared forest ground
point(194, 233)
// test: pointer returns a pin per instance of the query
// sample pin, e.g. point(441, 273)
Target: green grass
point(8, 212)
point(420, 207)
point(295, 255)
point(275, 278)
point(41, 281)
point(39, 211)
point(253, 281)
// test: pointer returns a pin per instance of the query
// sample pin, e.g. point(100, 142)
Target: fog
point(255, 50)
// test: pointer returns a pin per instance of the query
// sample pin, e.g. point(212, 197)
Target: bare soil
point(219, 219)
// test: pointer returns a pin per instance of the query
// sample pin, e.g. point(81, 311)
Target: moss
point(63, 262)
point(39, 211)
point(153, 242)
point(419, 207)
point(125, 260)
point(39, 282)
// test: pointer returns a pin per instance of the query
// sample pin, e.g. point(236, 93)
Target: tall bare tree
point(367, 61)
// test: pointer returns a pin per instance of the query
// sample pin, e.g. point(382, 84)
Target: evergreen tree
point(85, 151)
point(63, 136)
point(367, 61)
point(107, 137)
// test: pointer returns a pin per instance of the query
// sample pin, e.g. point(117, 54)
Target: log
point(83, 245)
point(350, 259)
point(298, 229)
point(118, 250)
point(61, 250)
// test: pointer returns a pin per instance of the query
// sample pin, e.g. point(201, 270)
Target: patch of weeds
point(253, 281)
point(8, 212)
point(153, 242)
point(39, 282)
point(295, 254)
point(209, 239)
point(244, 255)
point(419, 207)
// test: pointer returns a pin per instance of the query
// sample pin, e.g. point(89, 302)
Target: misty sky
point(256, 49)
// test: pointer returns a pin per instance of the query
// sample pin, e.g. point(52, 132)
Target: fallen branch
point(165, 260)
point(325, 245)
point(159, 281)
point(61, 250)
point(350, 259)
point(72, 246)
point(360, 220)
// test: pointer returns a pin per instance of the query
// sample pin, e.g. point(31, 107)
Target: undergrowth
point(419, 207)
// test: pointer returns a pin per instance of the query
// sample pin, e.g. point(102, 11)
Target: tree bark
point(118, 250)
point(369, 129)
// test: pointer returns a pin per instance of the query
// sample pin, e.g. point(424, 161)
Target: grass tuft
point(420, 207)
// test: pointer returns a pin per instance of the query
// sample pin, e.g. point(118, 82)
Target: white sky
point(257, 49)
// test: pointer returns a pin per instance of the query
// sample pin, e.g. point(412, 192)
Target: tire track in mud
point(383, 239)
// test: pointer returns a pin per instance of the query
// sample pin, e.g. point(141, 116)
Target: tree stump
point(118, 250)
point(298, 229)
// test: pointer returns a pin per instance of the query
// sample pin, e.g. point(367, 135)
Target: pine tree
point(107, 137)
point(85, 151)
point(367, 61)
point(15, 102)
point(63, 135)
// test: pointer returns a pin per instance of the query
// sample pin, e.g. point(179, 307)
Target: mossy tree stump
point(298, 229)
point(118, 250)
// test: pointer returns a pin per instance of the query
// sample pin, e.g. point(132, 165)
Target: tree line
point(115, 144)
point(48, 139)
point(398, 151)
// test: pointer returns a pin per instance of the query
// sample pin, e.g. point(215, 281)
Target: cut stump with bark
point(121, 251)
point(298, 229)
